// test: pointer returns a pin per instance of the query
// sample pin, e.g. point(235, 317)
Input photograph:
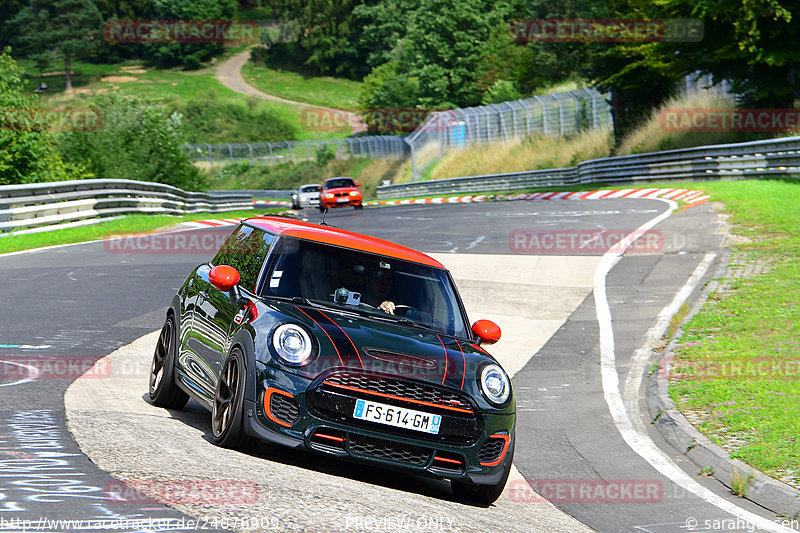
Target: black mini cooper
point(344, 344)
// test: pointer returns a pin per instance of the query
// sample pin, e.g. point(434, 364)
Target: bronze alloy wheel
point(225, 397)
point(226, 412)
point(160, 356)
point(163, 390)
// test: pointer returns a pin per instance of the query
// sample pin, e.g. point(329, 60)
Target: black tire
point(295, 206)
point(322, 209)
point(483, 494)
point(227, 413)
point(359, 206)
point(163, 390)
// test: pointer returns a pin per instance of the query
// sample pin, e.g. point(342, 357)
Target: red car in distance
point(340, 192)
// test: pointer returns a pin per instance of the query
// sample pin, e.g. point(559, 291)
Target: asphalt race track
point(530, 263)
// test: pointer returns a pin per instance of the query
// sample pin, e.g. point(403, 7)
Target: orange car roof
point(340, 237)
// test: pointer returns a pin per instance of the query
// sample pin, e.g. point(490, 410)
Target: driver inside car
point(379, 286)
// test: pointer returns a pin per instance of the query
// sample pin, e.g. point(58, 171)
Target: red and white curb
point(272, 203)
point(216, 223)
point(689, 196)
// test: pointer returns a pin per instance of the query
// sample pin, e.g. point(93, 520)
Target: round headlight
point(355, 193)
point(292, 344)
point(494, 384)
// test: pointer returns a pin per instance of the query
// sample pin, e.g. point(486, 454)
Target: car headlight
point(292, 344)
point(355, 193)
point(495, 384)
point(328, 195)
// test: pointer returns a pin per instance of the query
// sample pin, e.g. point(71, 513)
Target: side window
point(227, 254)
point(250, 257)
point(245, 250)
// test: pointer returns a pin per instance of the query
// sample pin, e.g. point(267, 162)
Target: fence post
point(291, 156)
point(210, 156)
point(577, 111)
point(271, 159)
point(527, 116)
point(594, 107)
point(414, 173)
point(488, 123)
point(544, 115)
point(250, 149)
point(560, 112)
point(513, 118)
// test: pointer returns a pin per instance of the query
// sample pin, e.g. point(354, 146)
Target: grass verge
point(736, 365)
point(326, 91)
point(131, 224)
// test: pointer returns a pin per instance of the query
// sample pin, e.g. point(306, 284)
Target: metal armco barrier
point(42, 205)
point(758, 159)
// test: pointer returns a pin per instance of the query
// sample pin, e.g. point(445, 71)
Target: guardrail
point(62, 203)
point(266, 153)
point(258, 193)
point(757, 159)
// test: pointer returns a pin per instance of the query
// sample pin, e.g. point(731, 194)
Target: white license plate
point(342, 200)
point(397, 416)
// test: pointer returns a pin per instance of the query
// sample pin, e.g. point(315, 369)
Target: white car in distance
point(306, 196)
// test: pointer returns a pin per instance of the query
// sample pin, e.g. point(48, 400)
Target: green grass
point(738, 358)
point(338, 93)
point(131, 224)
point(161, 85)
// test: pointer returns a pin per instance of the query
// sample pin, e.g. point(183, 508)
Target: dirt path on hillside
point(229, 74)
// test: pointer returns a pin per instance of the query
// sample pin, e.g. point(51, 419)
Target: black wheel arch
point(243, 339)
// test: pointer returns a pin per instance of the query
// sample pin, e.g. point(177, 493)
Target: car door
point(214, 315)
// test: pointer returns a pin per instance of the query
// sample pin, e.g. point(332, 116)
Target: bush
point(139, 141)
point(189, 55)
point(501, 91)
point(208, 120)
point(27, 154)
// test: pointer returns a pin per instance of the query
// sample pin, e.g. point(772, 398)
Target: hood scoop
point(401, 359)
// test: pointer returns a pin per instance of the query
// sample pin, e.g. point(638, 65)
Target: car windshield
point(339, 182)
point(310, 188)
point(361, 282)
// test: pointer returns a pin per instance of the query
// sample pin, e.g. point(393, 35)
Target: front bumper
point(285, 417)
point(351, 201)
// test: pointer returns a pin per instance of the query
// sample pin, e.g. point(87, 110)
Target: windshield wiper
point(292, 299)
point(408, 322)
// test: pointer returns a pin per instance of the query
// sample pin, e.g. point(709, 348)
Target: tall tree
point(27, 153)
point(190, 55)
point(754, 44)
point(52, 28)
point(443, 48)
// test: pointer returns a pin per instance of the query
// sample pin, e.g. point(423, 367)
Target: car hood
point(381, 346)
point(342, 189)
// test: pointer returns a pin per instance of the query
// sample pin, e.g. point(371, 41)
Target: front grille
point(335, 399)
point(390, 451)
point(284, 408)
point(491, 450)
point(406, 389)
